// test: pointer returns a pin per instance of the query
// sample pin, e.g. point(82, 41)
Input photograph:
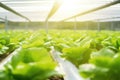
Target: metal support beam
point(75, 24)
point(4, 19)
point(6, 24)
point(55, 7)
point(102, 19)
point(93, 10)
point(112, 25)
point(98, 25)
point(47, 23)
point(26, 25)
point(13, 11)
point(87, 25)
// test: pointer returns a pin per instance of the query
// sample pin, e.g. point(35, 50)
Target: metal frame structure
point(13, 11)
point(55, 7)
point(100, 20)
point(108, 18)
point(4, 19)
point(6, 24)
point(75, 24)
point(111, 22)
point(93, 10)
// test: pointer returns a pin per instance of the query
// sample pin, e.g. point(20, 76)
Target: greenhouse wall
point(89, 25)
point(1, 25)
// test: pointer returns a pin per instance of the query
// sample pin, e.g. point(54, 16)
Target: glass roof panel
point(10, 16)
point(113, 11)
point(73, 7)
point(38, 10)
point(35, 10)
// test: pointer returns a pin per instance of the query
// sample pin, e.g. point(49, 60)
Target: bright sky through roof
point(73, 7)
point(38, 10)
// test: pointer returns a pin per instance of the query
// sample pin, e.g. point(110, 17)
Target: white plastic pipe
point(70, 71)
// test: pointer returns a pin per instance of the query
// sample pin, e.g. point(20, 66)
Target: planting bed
point(95, 55)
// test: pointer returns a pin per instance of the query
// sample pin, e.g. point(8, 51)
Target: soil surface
point(3, 56)
point(56, 77)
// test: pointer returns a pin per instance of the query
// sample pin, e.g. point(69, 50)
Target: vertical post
point(112, 25)
point(6, 24)
point(98, 25)
point(47, 26)
point(26, 25)
point(75, 24)
point(87, 25)
point(119, 25)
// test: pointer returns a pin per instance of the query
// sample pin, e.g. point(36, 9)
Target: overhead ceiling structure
point(110, 19)
point(93, 10)
point(59, 10)
point(35, 10)
point(56, 6)
point(3, 19)
point(79, 8)
point(13, 11)
point(109, 13)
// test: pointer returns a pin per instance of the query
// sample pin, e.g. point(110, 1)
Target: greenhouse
point(59, 39)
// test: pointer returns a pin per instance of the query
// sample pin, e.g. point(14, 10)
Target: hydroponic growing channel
point(59, 40)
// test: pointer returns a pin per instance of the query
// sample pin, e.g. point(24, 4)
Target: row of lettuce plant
point(95, 54)
point(9, 41)
point(32, 62)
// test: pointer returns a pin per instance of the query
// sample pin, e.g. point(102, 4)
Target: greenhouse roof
point(59, 10)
